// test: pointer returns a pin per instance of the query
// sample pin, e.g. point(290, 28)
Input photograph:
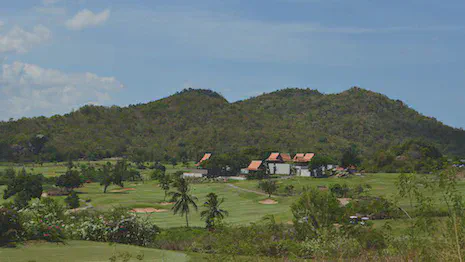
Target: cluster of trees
point(411, 156)
point(181, 127)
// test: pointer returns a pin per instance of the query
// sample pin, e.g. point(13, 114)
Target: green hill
point(193, 121)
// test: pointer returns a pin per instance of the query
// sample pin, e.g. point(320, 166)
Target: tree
point(213, 212)
point(350, 156)
point(173, 161)
point(120, 172)
point(313, 211)
point(183, 199)
point(165, 182)
point(70, 180)
point(24, 187)
point(106, 176)
point(72, 200)
point(320, 160)
point(269, 186)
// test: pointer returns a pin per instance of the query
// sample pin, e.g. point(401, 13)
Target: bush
point(44, 220)
point(72, 200)
point(118, 226)
point(10, 227)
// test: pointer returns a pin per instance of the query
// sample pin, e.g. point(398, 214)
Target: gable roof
point(286, 157)
point(254, 165)
point(303, 158)
point(204, 158)
point(274, 157)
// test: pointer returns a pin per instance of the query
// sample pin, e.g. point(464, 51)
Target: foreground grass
point(74, 251)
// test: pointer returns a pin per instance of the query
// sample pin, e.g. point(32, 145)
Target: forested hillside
point(191, 122)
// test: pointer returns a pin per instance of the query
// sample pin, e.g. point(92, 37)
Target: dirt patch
point(268, 202)
point(166, 203)
point(344, 201)
point(148, 210)
point(122, 190)
point(290, 222)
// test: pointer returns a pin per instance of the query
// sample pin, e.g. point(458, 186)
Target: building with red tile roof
point(204, 158)
point(303, 158)
point(255, 165)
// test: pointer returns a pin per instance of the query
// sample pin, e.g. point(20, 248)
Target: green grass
point(55, 169)
point(86, 251)
point(243, 206)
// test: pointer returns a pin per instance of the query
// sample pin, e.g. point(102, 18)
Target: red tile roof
point(286, 157)
point(303, 158)
point(274, 157)
point(254, 165)
point(204, 158)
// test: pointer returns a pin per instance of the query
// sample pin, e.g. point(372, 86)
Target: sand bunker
point(268, 202)
point(148, 210)
point(166, 203)
point(344, 201)
point(122, 190)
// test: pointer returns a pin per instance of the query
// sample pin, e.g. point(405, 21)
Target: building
point(204, 158)
point(195, 173)
point(277, 165)
point(254, 166)
point(301, 162)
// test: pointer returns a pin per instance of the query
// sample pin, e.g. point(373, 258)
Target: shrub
point(118, 226)
point(314, 211)
point(45, 220)
point(10, 227)
point(72, 200)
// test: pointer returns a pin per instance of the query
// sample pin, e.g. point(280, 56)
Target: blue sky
point(57, 55)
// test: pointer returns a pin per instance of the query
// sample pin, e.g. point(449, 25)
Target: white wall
point(192, 175)
point(281, 169)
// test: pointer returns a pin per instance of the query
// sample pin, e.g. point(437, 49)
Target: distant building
point(301, 161)
point(204, 158)
point(276, 163)
point(195, 173)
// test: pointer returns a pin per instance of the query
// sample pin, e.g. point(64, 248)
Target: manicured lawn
point(244, 207)
point(85, 251)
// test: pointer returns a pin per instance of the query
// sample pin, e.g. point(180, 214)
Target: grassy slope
point(75, 251)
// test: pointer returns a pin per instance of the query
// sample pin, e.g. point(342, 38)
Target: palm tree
point(183, 199)
point(213, 211)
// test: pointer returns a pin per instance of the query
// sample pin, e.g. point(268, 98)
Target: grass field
point(85, 251)
point(244, 207)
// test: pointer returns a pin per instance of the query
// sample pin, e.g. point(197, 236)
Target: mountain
point(193, 121)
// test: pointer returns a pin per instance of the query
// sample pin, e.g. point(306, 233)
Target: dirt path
point(249, 190)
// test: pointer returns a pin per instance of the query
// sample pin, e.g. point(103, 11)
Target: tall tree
point(213, 212)
point(106, 176)
point(165, 182)
point(351, 156)
point(183, 199)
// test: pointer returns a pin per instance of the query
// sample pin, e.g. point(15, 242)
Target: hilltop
point(196, 120)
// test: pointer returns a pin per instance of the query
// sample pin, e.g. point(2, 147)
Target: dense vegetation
point(183, 126)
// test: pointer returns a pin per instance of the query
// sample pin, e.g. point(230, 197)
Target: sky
point(58, 55)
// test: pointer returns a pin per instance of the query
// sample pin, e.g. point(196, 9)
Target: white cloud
point(30, 90)
point(17, 40)
point(86, 18)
